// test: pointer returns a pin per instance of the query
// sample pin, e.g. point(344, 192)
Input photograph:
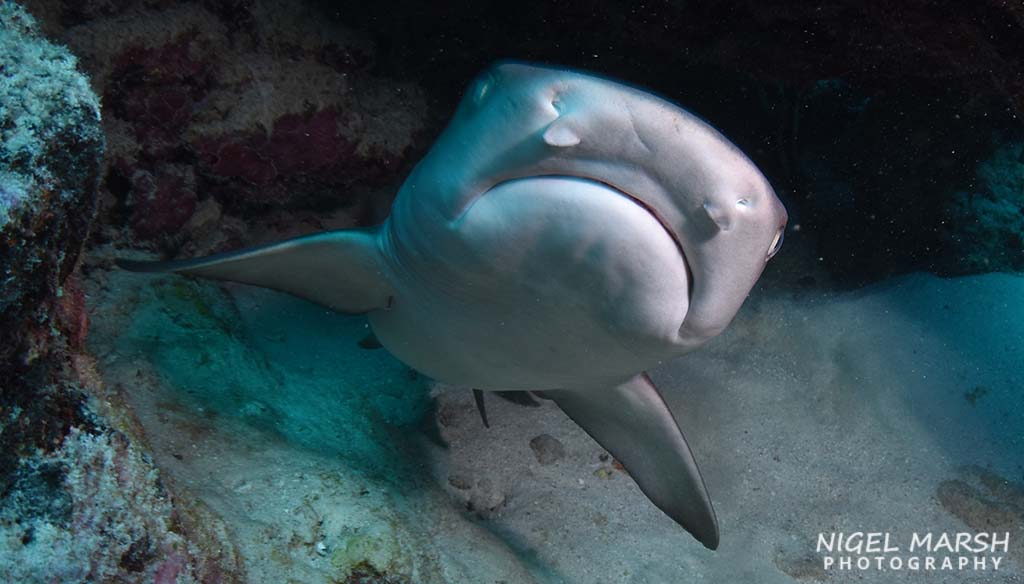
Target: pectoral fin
point(338, 269)
point(478, 398)
point(633, 423)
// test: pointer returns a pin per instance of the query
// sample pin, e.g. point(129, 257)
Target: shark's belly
point(543, 283)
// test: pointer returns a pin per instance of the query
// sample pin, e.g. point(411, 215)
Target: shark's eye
point(776, 244)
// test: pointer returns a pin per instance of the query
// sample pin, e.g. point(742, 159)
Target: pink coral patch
point(156, 89)
point(162, 201)
point(299, 144)
point(235, 157)
point(168, 571)
point(307, 144)
point(72, 316)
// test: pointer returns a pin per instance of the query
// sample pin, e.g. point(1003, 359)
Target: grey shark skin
point(564, 234)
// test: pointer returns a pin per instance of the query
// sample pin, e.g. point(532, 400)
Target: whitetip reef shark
point(565, 233)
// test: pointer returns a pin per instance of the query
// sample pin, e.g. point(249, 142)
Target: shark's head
point(518, 120)
point(707, 194)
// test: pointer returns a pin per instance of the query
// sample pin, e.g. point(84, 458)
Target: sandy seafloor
point(896, 408)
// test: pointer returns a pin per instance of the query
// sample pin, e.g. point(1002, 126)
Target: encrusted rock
point(51, 146)
point(487, 499)
point(258, 106)
point(80, 499)
point(162, 201)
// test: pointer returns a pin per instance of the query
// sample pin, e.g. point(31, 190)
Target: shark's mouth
point(653, 212)
point(649, 208)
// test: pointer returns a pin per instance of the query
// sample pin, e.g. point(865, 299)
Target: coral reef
point(260, 107)
point(163, 201)
point(50, 151)
point(80, 500)
point(93, 510)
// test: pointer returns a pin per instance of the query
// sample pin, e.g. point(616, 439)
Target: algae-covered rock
point(98, 513)
point(256, 106)
point(988, 221)
point(51, 146)
point(80, 499)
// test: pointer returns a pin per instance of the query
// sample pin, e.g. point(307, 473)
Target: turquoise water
point(281, 365)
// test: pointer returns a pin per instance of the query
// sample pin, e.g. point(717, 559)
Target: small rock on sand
point(547, 449)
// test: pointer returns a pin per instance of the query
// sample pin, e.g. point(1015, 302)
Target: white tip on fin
point(560, 135)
